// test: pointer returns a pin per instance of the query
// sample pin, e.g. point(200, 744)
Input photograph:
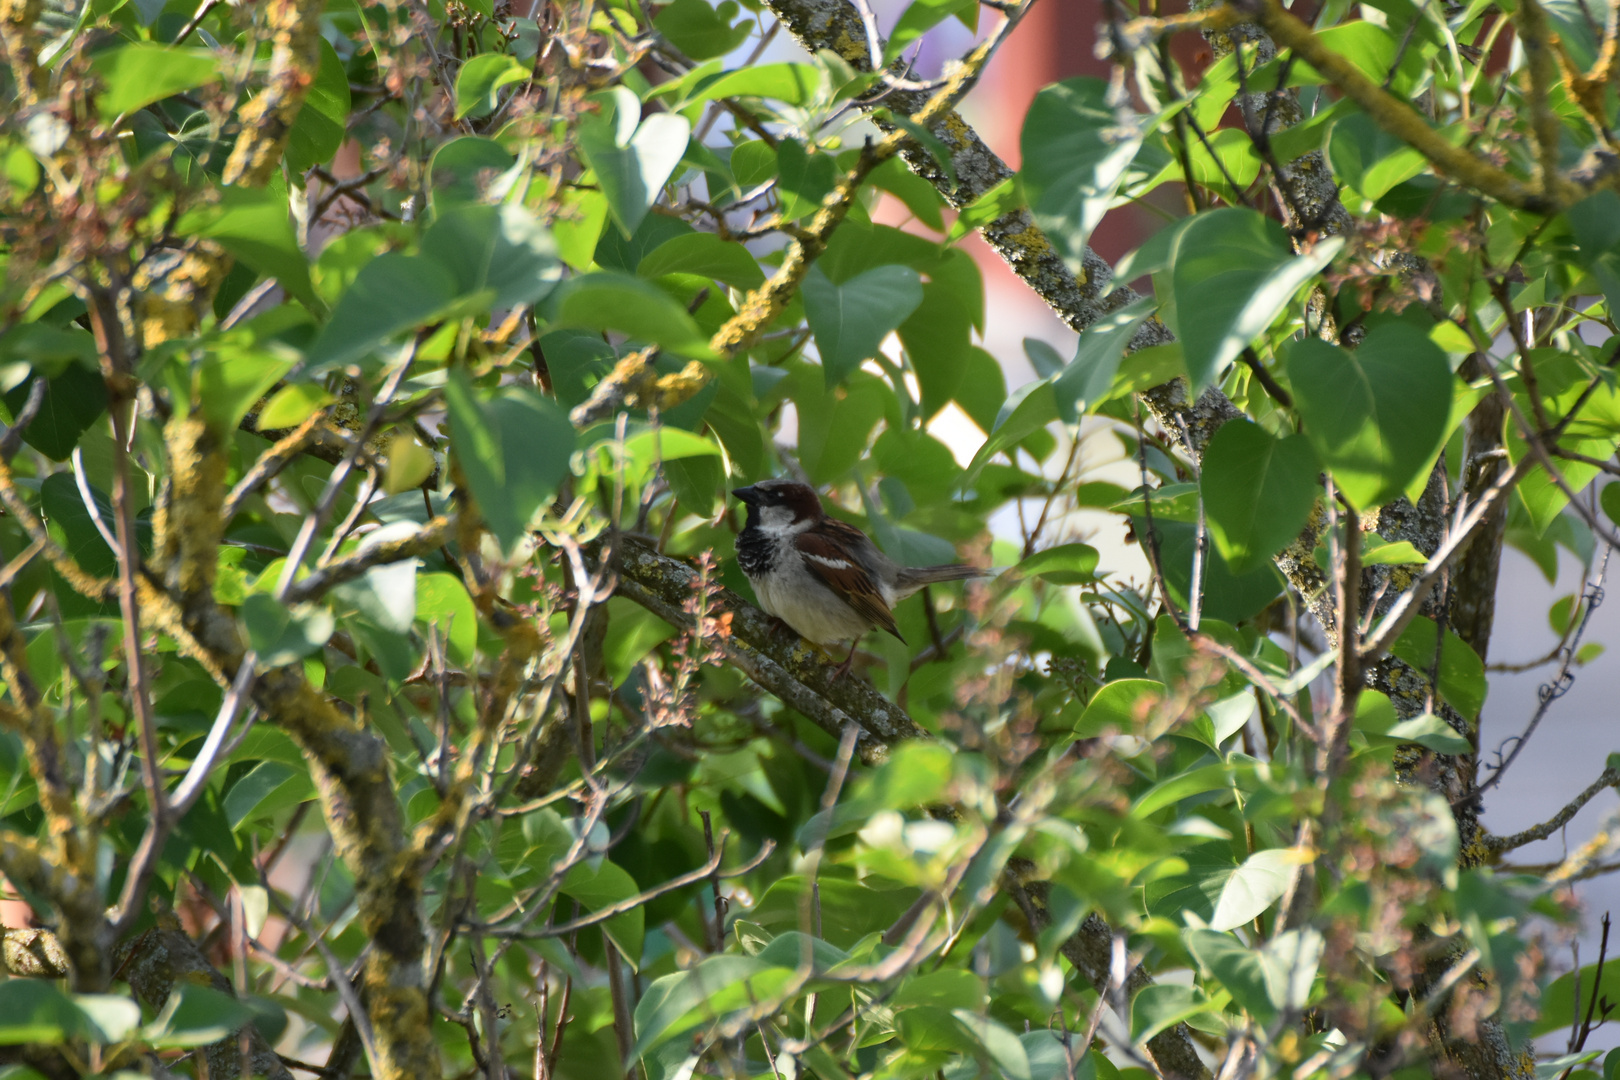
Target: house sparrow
point(821, 576)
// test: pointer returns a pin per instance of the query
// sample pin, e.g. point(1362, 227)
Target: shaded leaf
point(1376, 416)
point(282, 635)
point(1258, 491)
point(1232, 270)
point(1076, 147)
point(513, 448)
point(851, 320)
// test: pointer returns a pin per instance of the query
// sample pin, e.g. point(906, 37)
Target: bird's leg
point(843, 669)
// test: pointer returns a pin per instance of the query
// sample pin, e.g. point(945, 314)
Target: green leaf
point(74, 400)
point(1462, 673)
point(35, 1011)
point(677, 1003)
point(281, 635)
point(322, 122)
point(254, 225)
point(1368, 158)
point(700, 31)
point(1255, 886)
point(461, 167)
point(1027, 410)
point(792, 84)
point(916, 775)
point(632, 172)
point(292, 405)
point(922, 16)
point(1157, 1008)
point(1231, 272)
point(1001, 1046)
point(805, 178)
point(230, 382)
point(443, 603)
point(392, 292)
point(137, 74)
point(639, 309)
point(1065, 564)
point(1228, 596)
point(110, 1018)
point(385, 594)
point(195, 1016)
point(937, 336)
point(918, 195)
point(1090, 375)
point(1428, 731)
point(502, 249)
point(271, 786)
point(1265, 981)
point(705, 254)
point(1290, 961)
point(1376, 551)
point(1258, 492)
point(947, 988)
point(646, 448)
point(1076, 147)
point(994, 204)
point(65, 510)
point(1377, 416)
point(481, 80)
point(851, 320)
point(1172, 790)
point(1238, 969)
point(601, 886)
point(1123, 705)
point(1558, 1000)
point(514, 450)
point(1609, 499)
point(834, 427)
point(923, 136)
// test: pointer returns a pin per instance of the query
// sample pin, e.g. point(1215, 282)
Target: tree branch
point(1609, 778)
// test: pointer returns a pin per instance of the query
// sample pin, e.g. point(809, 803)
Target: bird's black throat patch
point(755, 551)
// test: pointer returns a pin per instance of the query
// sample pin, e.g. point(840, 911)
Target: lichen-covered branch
point(1608, 778)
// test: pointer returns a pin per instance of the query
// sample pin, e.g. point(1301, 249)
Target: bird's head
point(780, 505)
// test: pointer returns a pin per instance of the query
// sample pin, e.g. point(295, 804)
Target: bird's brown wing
point(829, 558)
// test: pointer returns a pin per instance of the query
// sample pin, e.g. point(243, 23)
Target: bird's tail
point(912, 578)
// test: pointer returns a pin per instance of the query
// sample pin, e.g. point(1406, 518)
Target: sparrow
point(823, 577)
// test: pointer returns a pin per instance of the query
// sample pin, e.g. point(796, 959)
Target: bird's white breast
point(792, 593)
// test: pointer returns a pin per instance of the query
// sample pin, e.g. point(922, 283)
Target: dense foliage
point(380, 691)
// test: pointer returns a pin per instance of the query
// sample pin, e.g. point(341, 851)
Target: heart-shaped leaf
point(850, 320)
point(1376, 416)
point(1258, 490)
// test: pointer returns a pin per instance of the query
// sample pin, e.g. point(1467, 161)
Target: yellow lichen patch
point(268, 119)
point(187, 524)
point(958, 135)
point(1477, 851)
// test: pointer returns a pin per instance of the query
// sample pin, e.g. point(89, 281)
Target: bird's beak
point(746, 494)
